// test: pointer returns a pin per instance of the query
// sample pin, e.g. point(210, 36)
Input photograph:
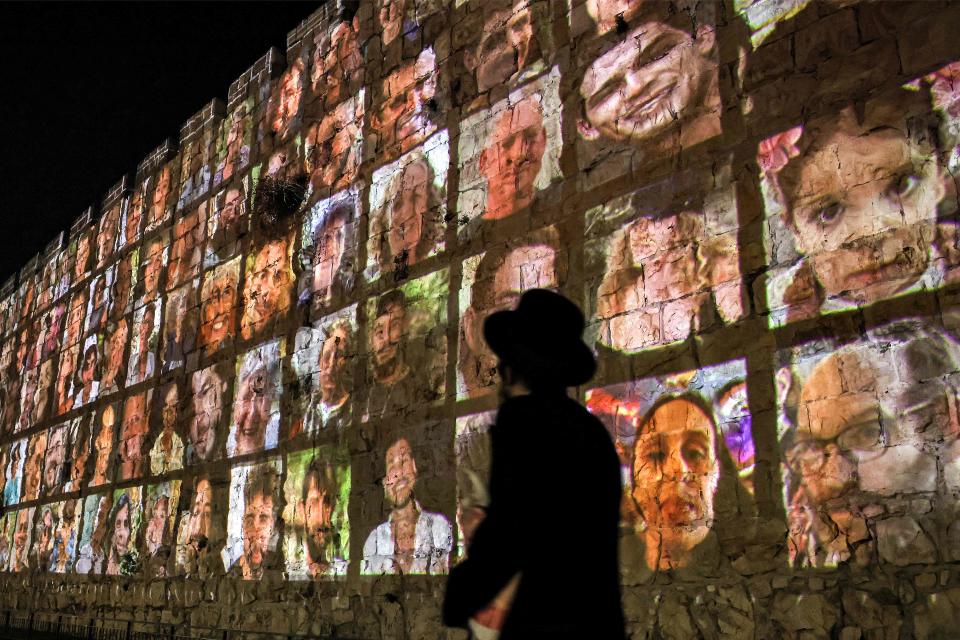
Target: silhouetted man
point(540, 354)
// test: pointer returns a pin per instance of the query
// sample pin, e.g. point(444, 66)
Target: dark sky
point(90, 88)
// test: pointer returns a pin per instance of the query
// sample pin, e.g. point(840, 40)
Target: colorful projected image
point(411, 540)
point(409, 99)
point(64, 394)
point(841, 239)
point(218, 306)
point(284, 105)
point(53, 324)
point(107, 229)
point(125, 278)
point(328, 252)
point(181, 325)
point(510, 152)
point(133, 434)
point(114, 350)
point(333, 147)
point(153, 256)
point(336, 72)
point(166, 453)
point(509, 51)
point(105, 434)
point(92, 550)
point(35, 395)
point(408, 204)
point(252, 527)
point(316, 530)
point(86, 385)
point(493, 281)
point(669, 260)
point(75, 316)
point(208, 399)
point(859, 424)
point(407, 347)
point(160, 513)
point(160, 200)
point(98, 301)
point(233, 142)
point(78, 453)
point(41, 550)
point(186, 252)
point(132, 219)
point(33, 466)
point(125, 519)
point(22, 535)
point(200, 536)
point(687, 455)
point(256, 403)
point(65, 536)
point(195, 158)
point(227, 223)
point(143, 344)
point(8, 524)
point(55, 463)
point(473, 453)
point(83, 261)
point(324, 363)
point(267, 289)
point(14, 456)
point(396, 18)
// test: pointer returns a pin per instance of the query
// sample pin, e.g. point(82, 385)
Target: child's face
point(863, 207)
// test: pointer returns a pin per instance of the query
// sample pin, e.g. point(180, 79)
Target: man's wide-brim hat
point(542, 339)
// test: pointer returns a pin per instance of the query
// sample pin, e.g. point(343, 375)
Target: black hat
point(542, 339)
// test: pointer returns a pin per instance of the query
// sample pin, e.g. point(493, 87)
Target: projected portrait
point(284, 105)
point(75, 315)
point(227, 223)
point(860, 423)
point(200, 535)
point(153, 256)
point(407, 110)
point(42, 396)
point(511, 151)
point(686, 456)
point(329, 252)
point(33, 466)
point(400, 377)
point(105, 433)
point(13, 472)
point(208, 398)
point(324, 363)
point(316, 532)
point(473, 454)
point(509, 49)
point(412, 540)
point(407, 209)
point(332, 147)
point(53, 325)
point(494, 281)
point(92, 550)
point(124, 282)
point(218, 306)
point(669, 260)
point(133, 433)
point(107, 230)
point(98, 302)
point(337, 69)
point(86, 386)
point(143, 344)
point(166, 454)
point(252, 527)
point(267, 288)
point(64, 392)
point(22, 534)
point(159, 201)
point(180, 326)
point(195, 157)
point(83, 262)
point(233, 142)
point(850, 237)
point(55, 459)
point(186, 251)
point(114, 352)
point(256, 402)
point(78, 453)
point(160, 513)
point(122, 557)
point(133, 215)
point(65, 537)
point(8, 523)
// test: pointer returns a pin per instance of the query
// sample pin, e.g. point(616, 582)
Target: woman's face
point(407, 210)
point(121, 530)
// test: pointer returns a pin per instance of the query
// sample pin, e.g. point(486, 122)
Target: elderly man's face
point(388, 330)
point(252, 407)
point(408, 207)
point(332, 359)
point(218, 308)
point(675, 475)
point(640, 88)
point(200, 511)
point(318, 511)
point(329, 254)
point(207, 392)
point(513, 159)
point(401, 476)
point(258, 524)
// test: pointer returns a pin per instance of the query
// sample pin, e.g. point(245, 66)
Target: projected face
point(113, 354)
point(32, 466)
point(319, 503)
point(152, 268)
point(333, 360)
point(157, 526)
point(391, 14)
point(258, 526)
point(53, 462)
point(107, 236)
point(675, 473)
point(82, 264)
point(134, 217)
point(79, 454)
point(132, 436)
point(406, 114)
point(337, 62)
point(218, 306)
point(407, 210)
point(201, 512)
point(512, 158)
point(401, 474)
point(120, 542)
point(637, 90)
point(388, 331)
point(232, 208)
point(120, 290)
point(104, 446)
point(78, 305)
point(185, 251)
point(507, 46)
point(267, 292)
point(866, 228)
point(329, 247)
point(158, 199)
point(208, 389)
point(288, 99)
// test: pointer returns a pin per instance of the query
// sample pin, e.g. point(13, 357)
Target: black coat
point(553, 517)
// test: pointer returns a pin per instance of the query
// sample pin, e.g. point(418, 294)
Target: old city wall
point(222, 384)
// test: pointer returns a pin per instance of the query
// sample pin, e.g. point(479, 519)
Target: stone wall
point(250, 392)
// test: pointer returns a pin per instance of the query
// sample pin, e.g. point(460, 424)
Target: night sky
point(91, 88)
